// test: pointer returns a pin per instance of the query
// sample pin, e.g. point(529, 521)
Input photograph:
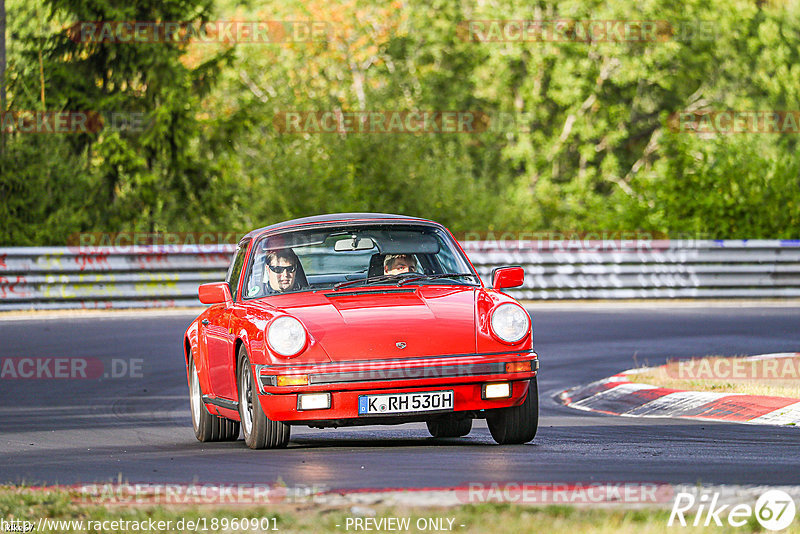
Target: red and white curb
point(617, 395)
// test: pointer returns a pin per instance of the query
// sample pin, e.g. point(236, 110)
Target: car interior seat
point(375, 265)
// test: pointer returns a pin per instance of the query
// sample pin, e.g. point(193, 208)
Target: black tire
point(207, 427)
point(259, 431)
point(449, 428)
point(517, 424)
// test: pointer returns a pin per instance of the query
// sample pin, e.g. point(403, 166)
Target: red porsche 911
point(359, 319)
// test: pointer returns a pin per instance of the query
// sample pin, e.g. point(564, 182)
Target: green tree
point(149, 178)
point(591, 149)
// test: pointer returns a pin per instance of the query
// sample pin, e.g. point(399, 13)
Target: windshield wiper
point(370, 280)
point(434, 277)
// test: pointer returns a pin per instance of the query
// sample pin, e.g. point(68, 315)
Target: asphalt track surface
point(138, 429)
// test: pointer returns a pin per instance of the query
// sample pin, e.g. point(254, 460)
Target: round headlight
point(286, 336)
point(510, 322)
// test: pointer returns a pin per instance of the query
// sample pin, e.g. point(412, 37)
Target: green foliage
point(591, 150)
point(120, 178)
point(43, 191)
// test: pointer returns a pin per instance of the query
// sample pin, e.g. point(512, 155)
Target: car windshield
point(338, 257)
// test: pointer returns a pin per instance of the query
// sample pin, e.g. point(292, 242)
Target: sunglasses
point(279, 270)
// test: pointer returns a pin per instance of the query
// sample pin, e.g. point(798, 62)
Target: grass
point(27, 504)
point(778, 377)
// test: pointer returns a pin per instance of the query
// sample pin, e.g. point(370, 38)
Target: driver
point(280, 271)
point(399, 264)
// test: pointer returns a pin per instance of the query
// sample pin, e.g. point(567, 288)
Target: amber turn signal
point(518, 367)
point(293, 380)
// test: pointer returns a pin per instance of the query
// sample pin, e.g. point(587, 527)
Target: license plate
point(427, 401)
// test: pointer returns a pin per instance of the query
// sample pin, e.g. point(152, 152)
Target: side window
point(235, 270)
point(448, 261)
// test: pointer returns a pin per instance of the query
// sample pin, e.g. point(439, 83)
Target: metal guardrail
point(168, 276)
point(647, 269)
point(108, 277)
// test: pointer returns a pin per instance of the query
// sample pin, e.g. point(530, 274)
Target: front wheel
point(259, 431)
point(516, 424)
point(207, 427)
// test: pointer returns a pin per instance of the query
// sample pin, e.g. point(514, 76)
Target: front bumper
point(465, 375)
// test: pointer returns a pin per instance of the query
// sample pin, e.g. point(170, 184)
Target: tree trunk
point(2, 70)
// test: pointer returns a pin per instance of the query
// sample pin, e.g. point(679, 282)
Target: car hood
point(387, 323)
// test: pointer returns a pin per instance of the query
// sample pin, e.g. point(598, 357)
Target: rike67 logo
point(774, 510)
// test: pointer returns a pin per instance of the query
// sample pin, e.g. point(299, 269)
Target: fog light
point(497, 391)
point(518, 367)
point(296, 380)
point(314, 401)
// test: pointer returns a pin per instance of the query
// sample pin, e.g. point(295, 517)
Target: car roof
point(332, 217)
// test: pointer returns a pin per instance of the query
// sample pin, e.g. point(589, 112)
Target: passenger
point(399, 264)
point(280, 271)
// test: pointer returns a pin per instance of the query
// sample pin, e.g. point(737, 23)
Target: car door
point(219, 336)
